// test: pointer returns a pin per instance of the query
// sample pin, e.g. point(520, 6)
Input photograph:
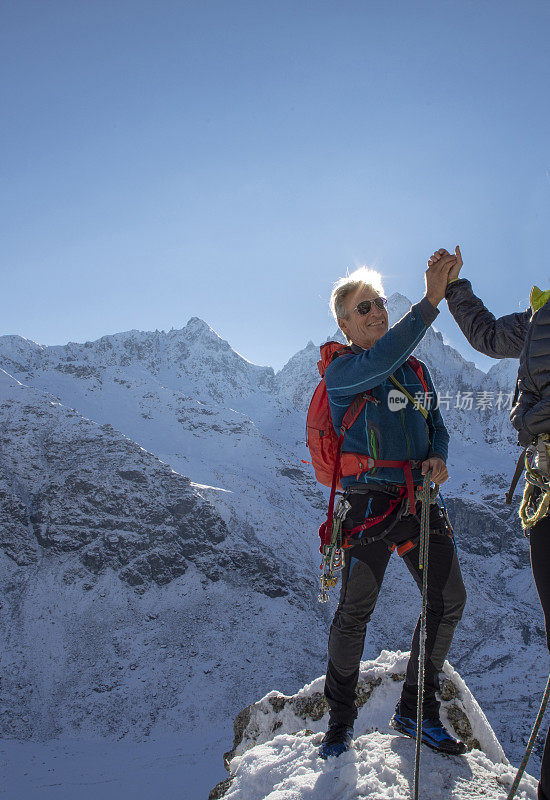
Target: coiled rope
point(535, 478)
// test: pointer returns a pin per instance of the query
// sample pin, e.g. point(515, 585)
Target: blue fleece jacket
point(379, 431)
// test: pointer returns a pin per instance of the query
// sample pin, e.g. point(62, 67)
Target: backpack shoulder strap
point(357, 405)
point(415, 403)
point(416, 366)
point(358, 402)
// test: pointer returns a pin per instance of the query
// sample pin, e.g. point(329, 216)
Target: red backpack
point(321, 438)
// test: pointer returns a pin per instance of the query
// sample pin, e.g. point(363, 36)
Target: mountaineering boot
point(434, 734)
point(336, 740)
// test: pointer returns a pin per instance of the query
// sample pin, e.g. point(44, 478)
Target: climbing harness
point(422, 565)
point(537, 476)
point(333, 546)
point(330, 532)
point(531, 742)
point(402, 510)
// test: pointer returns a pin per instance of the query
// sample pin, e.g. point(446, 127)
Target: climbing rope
point(536, 477)
point(531, 742)
point(427, 499)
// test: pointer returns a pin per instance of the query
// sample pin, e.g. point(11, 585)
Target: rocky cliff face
point(69, 485)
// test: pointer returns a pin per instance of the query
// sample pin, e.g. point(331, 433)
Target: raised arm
point(498, 338)
point(349, 375)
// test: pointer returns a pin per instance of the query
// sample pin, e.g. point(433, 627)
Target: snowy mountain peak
point(398, 306)
point(18, 341)
point(188, 360)
point(19, 351)
point(197, 327)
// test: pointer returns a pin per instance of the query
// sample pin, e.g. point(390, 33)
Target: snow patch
point(275, 753)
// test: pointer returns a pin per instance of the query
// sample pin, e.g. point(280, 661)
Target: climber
point(505, 338)
point(392, 431)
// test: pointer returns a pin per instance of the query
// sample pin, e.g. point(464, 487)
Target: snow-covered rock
point(275, 751)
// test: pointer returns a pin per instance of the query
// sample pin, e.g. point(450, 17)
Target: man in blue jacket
point(388, 434)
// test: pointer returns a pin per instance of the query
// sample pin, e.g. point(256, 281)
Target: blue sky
point(230, 160)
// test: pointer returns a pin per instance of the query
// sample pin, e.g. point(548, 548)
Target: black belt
point(368, 488)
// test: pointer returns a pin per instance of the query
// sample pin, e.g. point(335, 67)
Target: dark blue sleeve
point(349, 375)
point(499, 338)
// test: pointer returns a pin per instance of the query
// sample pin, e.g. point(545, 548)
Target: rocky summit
point(276, 745)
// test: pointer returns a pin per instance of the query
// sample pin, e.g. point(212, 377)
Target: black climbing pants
point(540, 562)
point(364, 568)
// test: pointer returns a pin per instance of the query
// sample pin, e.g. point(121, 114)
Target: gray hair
point(362, 277)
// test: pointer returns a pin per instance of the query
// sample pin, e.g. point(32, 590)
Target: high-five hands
point(441, 254)
point(440, 266)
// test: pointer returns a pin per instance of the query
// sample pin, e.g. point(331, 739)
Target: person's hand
point(437, 275)
point(454, 271)
point(438, 468)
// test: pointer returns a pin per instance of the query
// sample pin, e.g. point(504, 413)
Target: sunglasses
point(365, 306)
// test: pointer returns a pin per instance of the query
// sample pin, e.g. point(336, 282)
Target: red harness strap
point(351, 415)
point(370, 521)
point(355, 464)
point(403, 548)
